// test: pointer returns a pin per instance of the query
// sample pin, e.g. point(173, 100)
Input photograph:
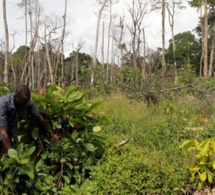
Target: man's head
point(22, 95)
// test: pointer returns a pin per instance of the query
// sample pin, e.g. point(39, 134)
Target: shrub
point(127, 170)
point(42, 166)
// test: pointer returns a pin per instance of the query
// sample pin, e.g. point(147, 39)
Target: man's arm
point(46, 127)
point(5, 140)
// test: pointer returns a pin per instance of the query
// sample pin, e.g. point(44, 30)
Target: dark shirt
point(10, 114)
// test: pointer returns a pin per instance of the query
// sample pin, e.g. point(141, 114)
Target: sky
point(82, 19)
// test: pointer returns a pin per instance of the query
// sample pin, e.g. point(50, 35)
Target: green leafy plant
point(130, 170)
point(47, 166)
point(16, 169)
point(203, 165)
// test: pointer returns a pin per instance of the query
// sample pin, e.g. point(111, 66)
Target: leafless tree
point(160, 4)
point(144, 66)
point(101, 9)
point(62, 42)
point(211, 58)
point(6, 41)
point(103, 4)
point(76, 51)
point(171, 6)
point(103, 42)
point(35, 9)
point(205, 40)
point(137, 11)
point(52, 24)
point(120, 45)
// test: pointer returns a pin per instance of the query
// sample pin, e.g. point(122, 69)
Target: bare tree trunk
point(143, 64)
point(12, 65)
point(211, 59)
point(49, 61)
point(34, 38)
point(102, 48)
point(76, 67)
point(6, 42)
point(205, 38)
point(121, 25)
point(36, 11)
point(163, 38)
point(26, 22)
point(31, 55)
point(137, 12)
point(76, 63)
point(202, 38)
point(38, 71)
point(108, 41)
point(171, 23)
point(104, 3)
point(62, 44)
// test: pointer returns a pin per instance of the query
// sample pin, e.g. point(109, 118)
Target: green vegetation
point(93, 157)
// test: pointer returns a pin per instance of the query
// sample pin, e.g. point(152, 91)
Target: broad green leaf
point(187, 143)
point(66, 179)
point(71, 122)
point(69, 165)
point(94, 105)
point(56, 125)
point(203, 162)
point(97, 129)
point(62, 160)
point(20, 147)
point(30, 151)
point(66, 146)
point(203, 176)
point(90, 147)
point(199, 185)
point(48, 179)
point(198, 156)
point(192, 178)
point(70, 90)
point(210, 177)
point(81, 107)
point(34, 133)
point(38, 184)
point(77, 95)
point(213, 144)
point(213, 164)
point(194, 169)
point(21, 171)
point(12, 153)
point(23, 161)
point(57, 106)
point(44, 155)
point(74, 135)
point(39, 164)
point(9, 162)
point(59, 95)
point(191, 148)
point(205, 148)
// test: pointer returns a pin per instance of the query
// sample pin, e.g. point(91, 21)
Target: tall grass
point(158, 127)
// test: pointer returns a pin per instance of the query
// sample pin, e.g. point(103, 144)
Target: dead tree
point(6, 41)
point(137, 12)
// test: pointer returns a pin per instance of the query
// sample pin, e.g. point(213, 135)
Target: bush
point(42, 166)
point(127, 170)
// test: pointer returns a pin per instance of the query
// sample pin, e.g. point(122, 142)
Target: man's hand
point(55, 137)
point(5, 140)
point(47, 127)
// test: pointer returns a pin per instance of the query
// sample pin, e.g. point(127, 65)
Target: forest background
point(155, 98)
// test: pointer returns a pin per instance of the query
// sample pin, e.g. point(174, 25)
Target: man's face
point(21, 101)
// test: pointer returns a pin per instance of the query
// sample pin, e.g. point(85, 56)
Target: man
point(12, 108)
